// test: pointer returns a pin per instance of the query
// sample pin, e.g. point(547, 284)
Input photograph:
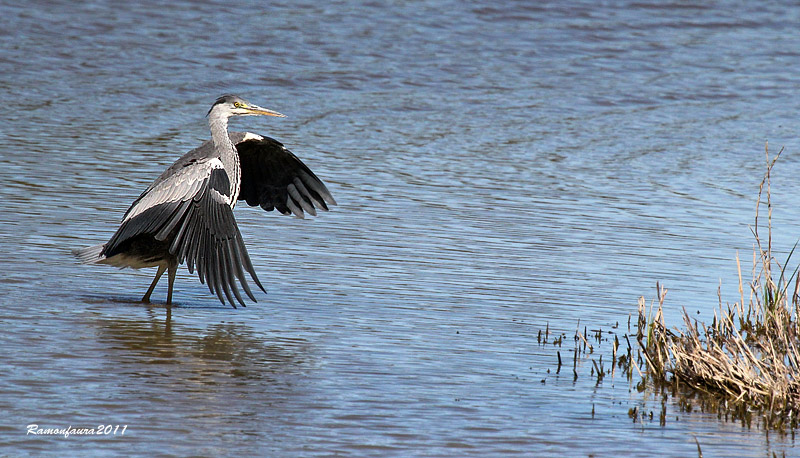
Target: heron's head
point(232, 105)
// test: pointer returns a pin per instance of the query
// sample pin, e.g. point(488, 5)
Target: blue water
point(500, 169)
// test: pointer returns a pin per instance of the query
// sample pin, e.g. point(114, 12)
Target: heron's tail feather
point(90, 255)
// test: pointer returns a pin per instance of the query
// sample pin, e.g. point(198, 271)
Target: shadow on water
point(155, 305)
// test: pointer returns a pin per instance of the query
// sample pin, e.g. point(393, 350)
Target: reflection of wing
point(274, 178)
point(187, 210)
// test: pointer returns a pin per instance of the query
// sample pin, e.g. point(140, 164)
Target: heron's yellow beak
point(258, 111)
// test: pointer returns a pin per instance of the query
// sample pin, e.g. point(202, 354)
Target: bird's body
point(186, 214)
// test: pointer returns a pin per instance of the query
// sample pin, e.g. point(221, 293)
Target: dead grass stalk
point(749, 354)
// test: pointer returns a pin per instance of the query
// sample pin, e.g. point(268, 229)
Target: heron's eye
point(238, 104)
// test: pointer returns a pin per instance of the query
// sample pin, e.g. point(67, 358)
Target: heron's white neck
point(227, 152)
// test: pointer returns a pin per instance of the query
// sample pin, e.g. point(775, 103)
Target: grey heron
point(186, 214)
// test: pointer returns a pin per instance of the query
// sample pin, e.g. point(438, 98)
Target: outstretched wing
point(274, 178)
point(188, 211)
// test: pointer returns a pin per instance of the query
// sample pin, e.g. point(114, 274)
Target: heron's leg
point(173, 269)
point(161, 269)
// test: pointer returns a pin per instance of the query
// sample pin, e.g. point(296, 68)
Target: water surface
point(499, 170)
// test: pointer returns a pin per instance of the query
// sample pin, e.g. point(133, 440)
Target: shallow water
point(499, 171)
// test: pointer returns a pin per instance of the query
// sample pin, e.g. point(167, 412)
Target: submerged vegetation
point(745, 363)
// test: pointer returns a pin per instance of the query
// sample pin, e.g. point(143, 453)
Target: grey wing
point(274, 178)
point(190, 211)
point(177, 171)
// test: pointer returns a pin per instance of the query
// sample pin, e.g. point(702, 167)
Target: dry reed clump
point(748, 355)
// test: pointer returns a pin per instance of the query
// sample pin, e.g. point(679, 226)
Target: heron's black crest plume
point(227, 98)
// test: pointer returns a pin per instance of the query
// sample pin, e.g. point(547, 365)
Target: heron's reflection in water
point(159, 347)
point(203, 384)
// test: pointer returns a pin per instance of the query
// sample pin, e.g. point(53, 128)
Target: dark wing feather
point(274, 178)
point(189, 213)
point(209, 240)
